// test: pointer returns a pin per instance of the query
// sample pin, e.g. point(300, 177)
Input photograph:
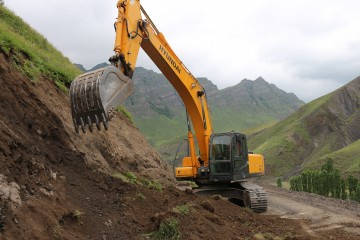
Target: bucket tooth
point(98, 126)
point(105, 121)
point(91, 128)
point(76, 126)
point(82, 125)
point(95, 95)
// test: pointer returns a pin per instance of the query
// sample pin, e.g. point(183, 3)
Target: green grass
point(31, 53)
point(125, 112)
point(259, 128)
point(182, 209)
point(151, 184)
point(228, 119)
point(346, 159)
point(168, 230)
point(130, 177)
point(170, 129)
point(289, 146)
point(166, 138)
point(284, 143)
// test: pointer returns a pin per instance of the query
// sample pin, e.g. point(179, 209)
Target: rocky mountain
point(156, 106)
point(154, 96)
point(160, 114)
point(326, 128)
point(83, 69)
point(80, 67)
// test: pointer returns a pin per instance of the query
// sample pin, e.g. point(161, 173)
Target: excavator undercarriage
point(243, 193)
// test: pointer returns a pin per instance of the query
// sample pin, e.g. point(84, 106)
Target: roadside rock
point(9, 191)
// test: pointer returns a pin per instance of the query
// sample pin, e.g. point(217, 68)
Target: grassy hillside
point(165, 130)
point(31, 52)
point(347, 159)
point(226, 119)
point(278, 143)
point(324, 128)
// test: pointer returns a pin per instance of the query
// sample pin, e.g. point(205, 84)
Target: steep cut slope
point(309, 136)
point(48, 165)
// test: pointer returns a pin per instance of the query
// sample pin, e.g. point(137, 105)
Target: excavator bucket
point(95, 95)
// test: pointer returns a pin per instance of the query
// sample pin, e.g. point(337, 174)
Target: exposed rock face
point(257, 95)
point(154, 95)
point(339, 118)
point(316, 130)
point(9, 191)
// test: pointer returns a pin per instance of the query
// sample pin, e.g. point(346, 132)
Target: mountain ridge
point(160, 113)
point(310, 135)
point(234, 108)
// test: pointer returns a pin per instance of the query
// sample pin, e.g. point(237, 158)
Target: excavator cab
point(230, 165)
point(229, 160)
point(228, 157)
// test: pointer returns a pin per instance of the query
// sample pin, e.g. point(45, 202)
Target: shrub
point(168, 229)
point(353, 182)
point(125, 112)
point(279, 183)
point(326, 182)
point(130, 177)
point(182, 209)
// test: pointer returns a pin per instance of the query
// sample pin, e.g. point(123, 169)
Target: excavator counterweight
point(95, 95)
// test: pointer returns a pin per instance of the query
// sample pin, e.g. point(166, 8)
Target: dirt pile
point(55, 184)
point(40, 153)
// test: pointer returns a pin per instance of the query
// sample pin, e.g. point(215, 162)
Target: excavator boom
point(223, 161)
point(95, 95)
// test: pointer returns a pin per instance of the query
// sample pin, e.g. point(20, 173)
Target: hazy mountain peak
point(80, 66)
point(260, 79)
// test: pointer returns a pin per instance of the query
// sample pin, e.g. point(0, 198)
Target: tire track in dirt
point(317, 213)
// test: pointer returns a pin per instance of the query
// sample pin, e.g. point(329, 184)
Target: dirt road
point(316, 212)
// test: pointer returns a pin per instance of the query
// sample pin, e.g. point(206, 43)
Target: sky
point(306, 47)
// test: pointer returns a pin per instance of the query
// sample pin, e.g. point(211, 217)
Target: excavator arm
point(223, 161)
point(95, 95)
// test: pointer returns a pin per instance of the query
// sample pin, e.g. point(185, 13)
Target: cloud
point(306, 47)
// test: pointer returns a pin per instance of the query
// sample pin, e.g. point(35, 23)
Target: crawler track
point(255, 197)
point(246, 194)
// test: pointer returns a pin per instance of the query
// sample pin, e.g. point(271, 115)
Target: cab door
point(239, 155)
point(220, 157)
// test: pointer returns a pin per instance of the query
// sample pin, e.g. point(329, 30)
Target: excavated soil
point(56, 184)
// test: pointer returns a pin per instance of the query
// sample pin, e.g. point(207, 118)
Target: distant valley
point(159, 112)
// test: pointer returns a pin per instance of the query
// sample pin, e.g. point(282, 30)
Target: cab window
point(220, 155)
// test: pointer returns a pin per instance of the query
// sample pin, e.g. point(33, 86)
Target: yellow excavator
point(223, 164)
